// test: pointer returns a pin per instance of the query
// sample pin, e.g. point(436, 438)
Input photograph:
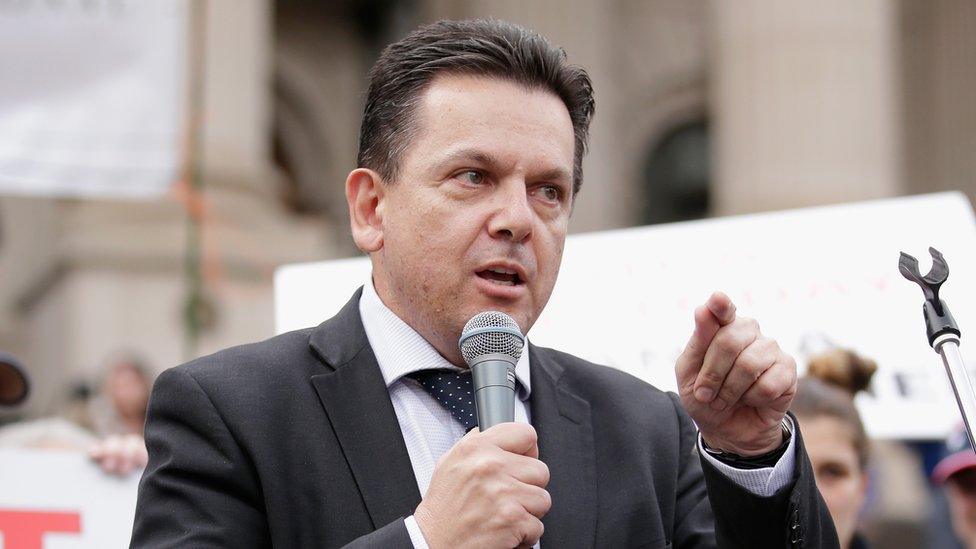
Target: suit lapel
point(358, 406)
point(562, 419)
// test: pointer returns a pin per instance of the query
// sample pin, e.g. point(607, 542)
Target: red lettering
point(26, 529)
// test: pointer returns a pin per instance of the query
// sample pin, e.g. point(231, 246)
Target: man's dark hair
point(479, 47)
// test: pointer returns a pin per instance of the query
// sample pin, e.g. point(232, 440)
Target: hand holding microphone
point(489, 489)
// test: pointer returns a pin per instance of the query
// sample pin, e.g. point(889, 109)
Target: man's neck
point(445, 346)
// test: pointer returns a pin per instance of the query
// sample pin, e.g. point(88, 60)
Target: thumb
point(718, 311)
point(722, 307)
point(690, 361)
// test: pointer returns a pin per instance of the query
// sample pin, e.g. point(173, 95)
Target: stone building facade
point(703, 108)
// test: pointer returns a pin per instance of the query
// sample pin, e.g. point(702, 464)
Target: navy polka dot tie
point(453, 391)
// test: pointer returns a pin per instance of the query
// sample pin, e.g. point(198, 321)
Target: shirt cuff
point(416, 536)
point(762, 482)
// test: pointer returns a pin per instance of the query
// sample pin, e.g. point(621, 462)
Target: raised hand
point(735, 383)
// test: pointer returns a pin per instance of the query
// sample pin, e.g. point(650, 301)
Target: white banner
point(62, 500)
point(626, 298)
point(92, 101)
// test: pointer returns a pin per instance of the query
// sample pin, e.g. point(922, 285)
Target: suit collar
point(357, 403)
point(562, 419)
point(340, 338)
point(399, 349)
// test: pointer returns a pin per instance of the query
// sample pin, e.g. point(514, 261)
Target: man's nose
point(513, 217)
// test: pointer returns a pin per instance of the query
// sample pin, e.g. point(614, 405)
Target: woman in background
point(119, 414)
point(109, 427)
point(834, 436)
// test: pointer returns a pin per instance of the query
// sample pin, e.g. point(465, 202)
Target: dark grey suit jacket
point(293, 442)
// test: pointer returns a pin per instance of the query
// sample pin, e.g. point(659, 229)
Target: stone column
point(116, 280)
point(805, 103)
point(939, 90)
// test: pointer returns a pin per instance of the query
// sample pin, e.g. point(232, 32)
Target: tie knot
point(452, 390)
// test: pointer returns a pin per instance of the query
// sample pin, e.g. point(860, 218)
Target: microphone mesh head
point(491, 332)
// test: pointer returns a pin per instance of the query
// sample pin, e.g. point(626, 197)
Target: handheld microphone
point(491, 344)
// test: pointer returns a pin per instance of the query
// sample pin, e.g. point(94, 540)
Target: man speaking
point(357, 431)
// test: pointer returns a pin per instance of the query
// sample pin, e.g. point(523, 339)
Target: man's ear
point(365, 192)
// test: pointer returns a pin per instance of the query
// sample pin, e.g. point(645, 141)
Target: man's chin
point(519, 314)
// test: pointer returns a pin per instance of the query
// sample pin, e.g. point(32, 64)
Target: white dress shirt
point(428, 429)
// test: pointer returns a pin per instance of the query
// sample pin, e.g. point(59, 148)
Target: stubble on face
point(440, 229)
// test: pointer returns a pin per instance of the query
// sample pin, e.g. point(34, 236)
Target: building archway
point(676, 175)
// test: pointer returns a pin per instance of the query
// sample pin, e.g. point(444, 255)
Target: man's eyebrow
point(476, 156)
point(555, 175)
point(482, 158)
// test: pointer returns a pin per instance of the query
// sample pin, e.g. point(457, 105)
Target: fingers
point(734, 362)
point(108, 454)
point(521, 464)
point(528, 470)
point(721, 306)
point(528, 528)
point(532, 530)
point(522, 500)
point(528, 525)
point(730, 341)
point(689, 363)
point(717, 312)
point(775, 388)
point(120, 454)
point(536, 501)
point(517, 438)
point(513, 449)
point(525, 468)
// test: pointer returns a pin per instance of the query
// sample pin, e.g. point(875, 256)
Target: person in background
point(835, 436)
point(109, 427)
point(957, 473)
point(119, 407)
point(118, 416)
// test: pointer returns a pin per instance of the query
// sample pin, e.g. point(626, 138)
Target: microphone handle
point(493, 377)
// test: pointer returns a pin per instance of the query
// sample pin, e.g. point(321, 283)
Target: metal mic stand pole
point(943, 333)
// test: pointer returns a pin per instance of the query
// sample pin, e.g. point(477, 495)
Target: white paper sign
point(626, 298)
point(61, 500)
point(92, 101)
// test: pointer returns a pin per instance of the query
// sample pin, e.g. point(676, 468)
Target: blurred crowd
point(102, 417)
point(880, 493)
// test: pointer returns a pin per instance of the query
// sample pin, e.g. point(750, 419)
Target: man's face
point(478, 215)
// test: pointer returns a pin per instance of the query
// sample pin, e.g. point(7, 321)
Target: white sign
point(626, 298)
point(92, 101)
point(62, 500)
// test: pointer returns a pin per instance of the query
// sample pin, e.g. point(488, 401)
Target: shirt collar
point(400, 350)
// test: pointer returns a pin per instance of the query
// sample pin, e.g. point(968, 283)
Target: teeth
point(504, 282)
point(502, 271)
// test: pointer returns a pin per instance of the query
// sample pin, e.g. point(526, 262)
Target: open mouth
point(501, 276)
